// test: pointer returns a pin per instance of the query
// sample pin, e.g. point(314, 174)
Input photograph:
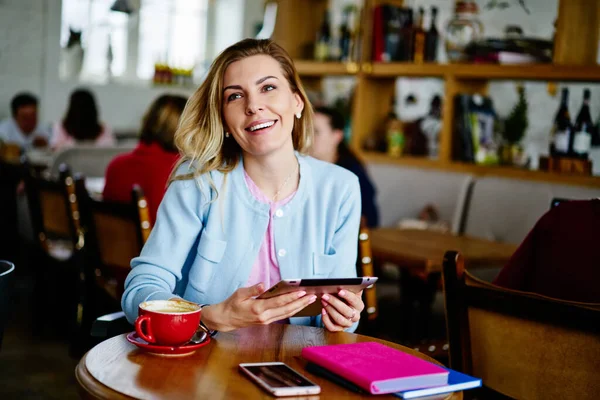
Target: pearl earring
point(226, 134)
point(298, 115)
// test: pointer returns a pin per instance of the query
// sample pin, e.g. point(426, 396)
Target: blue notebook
point(456, 382)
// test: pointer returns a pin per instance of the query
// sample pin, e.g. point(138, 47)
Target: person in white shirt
point(22, 128)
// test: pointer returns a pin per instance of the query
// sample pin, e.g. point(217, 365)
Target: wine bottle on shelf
point(562, 131)
point(323, 39)
point(582, 140)
point(345, 38)
point(432, 38)
point(407, 38)
point(419, 38)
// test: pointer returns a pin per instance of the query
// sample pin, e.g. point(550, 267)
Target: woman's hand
point(242, 309)
point(339, 314)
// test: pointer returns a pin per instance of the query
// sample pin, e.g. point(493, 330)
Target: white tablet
point(319, 286)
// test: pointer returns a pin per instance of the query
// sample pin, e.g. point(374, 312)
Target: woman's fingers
point(354, 300)
point(339, 305)
point(336, 317)
point(329, 324)
point(288, 308)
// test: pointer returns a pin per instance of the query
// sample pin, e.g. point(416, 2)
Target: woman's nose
point(253, 105)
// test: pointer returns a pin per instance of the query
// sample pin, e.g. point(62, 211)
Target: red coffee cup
point(167, 322)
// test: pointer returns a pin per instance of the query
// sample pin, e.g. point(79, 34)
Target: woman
point(329, 146)
point(151, 162)
point(245, 208)
point(81, 124)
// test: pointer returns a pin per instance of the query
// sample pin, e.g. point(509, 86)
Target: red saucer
point(165, 350)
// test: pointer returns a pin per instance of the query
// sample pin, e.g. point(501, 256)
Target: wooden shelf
point(482, 170)
point(485, 71)
point(316, 68)
point(393, 70)
point(528, 72)
point(482, 72)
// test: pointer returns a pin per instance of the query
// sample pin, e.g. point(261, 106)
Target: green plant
point(516, 124)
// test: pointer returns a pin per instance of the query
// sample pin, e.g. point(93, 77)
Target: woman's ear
point(338, 135)
point(299, 103)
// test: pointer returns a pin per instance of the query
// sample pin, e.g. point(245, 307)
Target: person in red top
point(559, 258)
point(151, 162)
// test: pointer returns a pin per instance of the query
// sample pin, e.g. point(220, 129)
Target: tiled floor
point(33, 367)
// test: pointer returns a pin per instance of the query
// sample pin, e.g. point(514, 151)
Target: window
point(171, 32)
point(160, 31)
point(99, 28)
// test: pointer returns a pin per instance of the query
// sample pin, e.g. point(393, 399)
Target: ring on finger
point(353, 314)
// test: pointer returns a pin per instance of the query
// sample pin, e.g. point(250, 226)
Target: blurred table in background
point(419, 255)
point(422, 251)
point(95, 186)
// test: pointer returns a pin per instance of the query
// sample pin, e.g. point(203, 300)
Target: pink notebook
point(377, 368)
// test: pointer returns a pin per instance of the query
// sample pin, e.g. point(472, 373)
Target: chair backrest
point(6, 276)
point(116, 233)
point(402, 192)
point(365, 261)
point(54, 207)
point(87, 160)
point(505, 210)
point(10, 152)
point(520, 344)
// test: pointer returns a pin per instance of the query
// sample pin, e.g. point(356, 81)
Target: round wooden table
point(116, 369)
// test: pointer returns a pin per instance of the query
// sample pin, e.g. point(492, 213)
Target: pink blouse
point(61, 139)
point(265, 268)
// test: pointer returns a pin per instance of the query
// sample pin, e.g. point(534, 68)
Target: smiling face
point(259, 106)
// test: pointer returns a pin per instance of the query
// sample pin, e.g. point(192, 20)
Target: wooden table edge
point(91, 388)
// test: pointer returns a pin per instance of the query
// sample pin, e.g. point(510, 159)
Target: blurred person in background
point(22, 127)
point(151, 162)
point(329, 146)
point(81, 124)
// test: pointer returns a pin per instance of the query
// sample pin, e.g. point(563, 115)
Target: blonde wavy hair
point(200, 136)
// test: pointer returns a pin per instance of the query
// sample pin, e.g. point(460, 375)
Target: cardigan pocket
point(324, 264)
point(209, 254)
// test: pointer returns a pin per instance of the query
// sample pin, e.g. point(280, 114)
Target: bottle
point(582, 141)
point(561, 141)
point(407, 38)
point(345, 38)
point(394, 135)
point(419, 38)
point(323, 39)
point(464, 28)
point(432, 38)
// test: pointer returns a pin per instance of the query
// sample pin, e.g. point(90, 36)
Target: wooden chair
point(115, 233)
point(365, 261)
point(55, 219)
point(520, 344)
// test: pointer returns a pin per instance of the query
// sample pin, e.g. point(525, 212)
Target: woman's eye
point(234, 97)
point(268, 88)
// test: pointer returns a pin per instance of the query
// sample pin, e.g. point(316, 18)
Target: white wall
point(22, 30)
point(30, 54)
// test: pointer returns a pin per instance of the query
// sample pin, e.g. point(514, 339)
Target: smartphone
point(279, 379)
point(319, 287)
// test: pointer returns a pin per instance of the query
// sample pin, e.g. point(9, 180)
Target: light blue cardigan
point(204, 251)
